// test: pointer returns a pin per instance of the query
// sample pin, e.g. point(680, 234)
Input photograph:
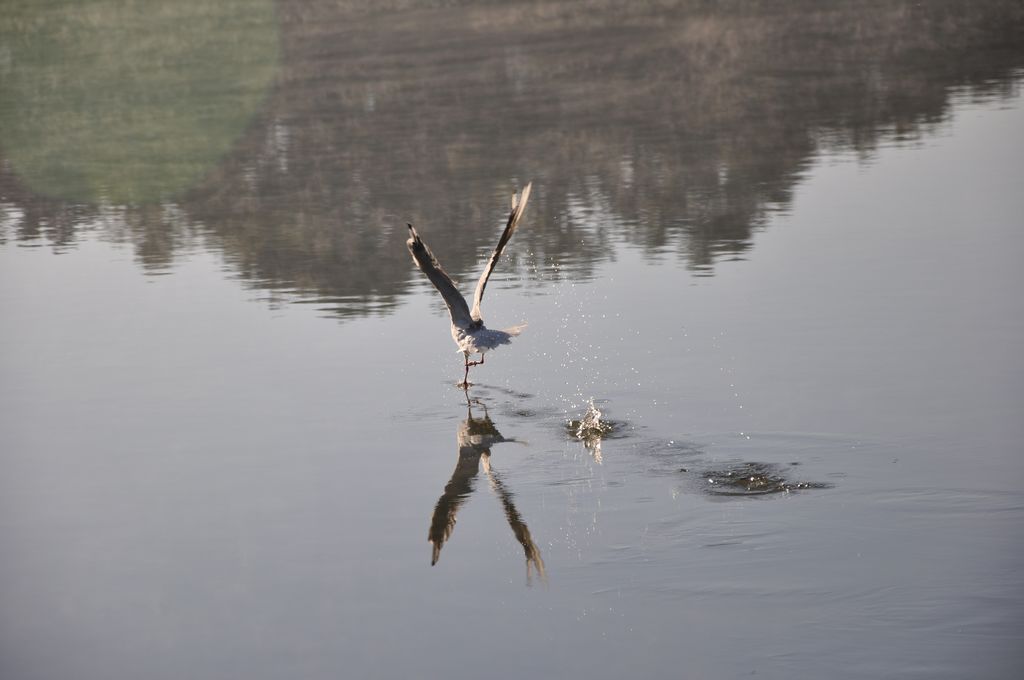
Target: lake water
point(778, 248)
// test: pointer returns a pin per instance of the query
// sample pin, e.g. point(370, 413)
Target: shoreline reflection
point(677, 129)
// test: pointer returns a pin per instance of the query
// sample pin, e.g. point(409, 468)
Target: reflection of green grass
point(129, 101)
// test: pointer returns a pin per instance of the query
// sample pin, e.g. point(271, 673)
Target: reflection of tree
point(129, 102)
point(475, 437)
point(672, 125)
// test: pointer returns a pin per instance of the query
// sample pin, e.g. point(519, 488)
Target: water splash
point(591, 425)
point(591, 429)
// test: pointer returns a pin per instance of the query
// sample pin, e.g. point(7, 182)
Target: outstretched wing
point(519, 528)
point(428, 264)
point(518, 206)
point(458, 489)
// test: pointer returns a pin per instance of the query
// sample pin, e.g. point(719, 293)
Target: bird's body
point(483, 339)
point(470, 334)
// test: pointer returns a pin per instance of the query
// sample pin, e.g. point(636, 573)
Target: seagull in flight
point(468, 329)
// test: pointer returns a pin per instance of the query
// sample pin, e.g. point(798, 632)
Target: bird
point(468, 329)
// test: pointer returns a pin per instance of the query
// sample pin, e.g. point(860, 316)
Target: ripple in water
point(754, 479)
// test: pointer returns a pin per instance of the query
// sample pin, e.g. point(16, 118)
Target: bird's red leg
point(465, 379)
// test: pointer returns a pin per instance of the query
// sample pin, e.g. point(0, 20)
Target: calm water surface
point(779, 249)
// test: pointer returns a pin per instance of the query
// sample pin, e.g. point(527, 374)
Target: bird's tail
point(515, 330)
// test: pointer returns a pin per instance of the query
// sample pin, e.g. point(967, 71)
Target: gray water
point(777, 247)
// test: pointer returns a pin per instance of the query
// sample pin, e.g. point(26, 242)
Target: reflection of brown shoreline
point(675, 126)
point(475, 437)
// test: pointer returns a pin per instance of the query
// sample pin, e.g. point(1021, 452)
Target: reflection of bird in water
point(468, 328)
point(476, 436)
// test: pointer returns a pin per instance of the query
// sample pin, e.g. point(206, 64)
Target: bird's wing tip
point(519, 198)
point(414, 237)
